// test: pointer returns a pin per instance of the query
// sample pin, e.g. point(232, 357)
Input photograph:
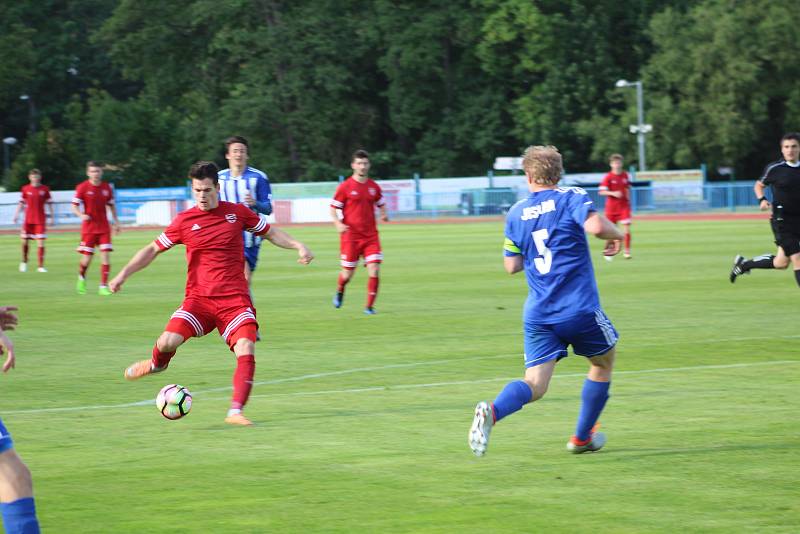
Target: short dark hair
point(235, 139)
point(359, 154)
point(94, 163)
point(615, 157)
point(791, 135)
point(203, 170)
point(35, 172)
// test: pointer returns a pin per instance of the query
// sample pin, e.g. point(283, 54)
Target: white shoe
point(41, 270)
point(596, 442)
point(481, 428)
point(23, 267)
point(609, 258)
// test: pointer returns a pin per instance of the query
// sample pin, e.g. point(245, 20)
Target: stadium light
point(641, 128)
point(7, 142)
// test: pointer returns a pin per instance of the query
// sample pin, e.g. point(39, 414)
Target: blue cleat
point(370, 311)
point(337, 300)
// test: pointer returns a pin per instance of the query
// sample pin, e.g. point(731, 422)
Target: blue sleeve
point(581, 204)
point(510, 248)
point(263, 196)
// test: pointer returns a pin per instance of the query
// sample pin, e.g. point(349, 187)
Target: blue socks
point(19, 517)
point(513, 397)
point(593, 397)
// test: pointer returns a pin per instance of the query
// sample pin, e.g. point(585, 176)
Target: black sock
point(797, 276)
point(759, 262)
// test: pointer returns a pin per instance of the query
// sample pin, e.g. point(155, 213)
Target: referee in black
point(784, 178)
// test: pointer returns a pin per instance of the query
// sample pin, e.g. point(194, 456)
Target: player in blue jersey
point(16, 487)
point(545, 236)
point(242, 184)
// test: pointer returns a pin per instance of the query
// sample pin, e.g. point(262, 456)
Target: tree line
point(437, 87)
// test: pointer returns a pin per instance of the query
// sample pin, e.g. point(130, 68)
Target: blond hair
point(615, 157)
point(543, 164)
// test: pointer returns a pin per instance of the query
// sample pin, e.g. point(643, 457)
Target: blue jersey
point(547, 230)
point(235, 188)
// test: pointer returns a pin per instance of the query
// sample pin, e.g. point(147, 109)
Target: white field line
point(389, 387)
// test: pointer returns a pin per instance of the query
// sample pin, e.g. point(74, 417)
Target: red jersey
point(617, 182)
point(214, 246)
point(34, 199)
point(357, 201)
point(94, 199)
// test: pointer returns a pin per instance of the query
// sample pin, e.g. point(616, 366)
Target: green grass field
point(362, 421)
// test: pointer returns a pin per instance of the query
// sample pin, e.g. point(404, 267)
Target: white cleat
point(595, 443)
point(41, 270)
point(481, 428)
point(23, 267)
point(608, 258)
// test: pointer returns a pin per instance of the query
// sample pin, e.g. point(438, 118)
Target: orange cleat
point(140, 369)
point(238, 419)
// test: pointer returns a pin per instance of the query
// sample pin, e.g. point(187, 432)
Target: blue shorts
point(589, 334)
point(251, 256)
point(5, 438)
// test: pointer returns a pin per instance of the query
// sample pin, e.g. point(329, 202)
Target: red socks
point(627, 242)
point(161, 359)
point(372, 290)
point(243, 380)
point(40, 255)
point(104, 270)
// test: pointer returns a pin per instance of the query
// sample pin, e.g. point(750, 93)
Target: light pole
point(31, 112)
point(7, 142)
point(641, 128)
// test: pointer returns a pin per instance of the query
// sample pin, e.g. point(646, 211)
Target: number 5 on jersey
point(545, 261)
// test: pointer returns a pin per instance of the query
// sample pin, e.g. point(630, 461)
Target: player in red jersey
point(357, 197)
point(616, 187)
point(33, 199)
point(95, 197)
point(217, 294)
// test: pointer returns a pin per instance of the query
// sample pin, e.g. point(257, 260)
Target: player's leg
point(86, 249)
point(373, 257)
point(16, 489)
point(626, 225)
point(595, 337)
point(24, 236)
point(542, 350)
point(105, 264)
point(40, 250)
point(243, 346)
point(614, 217)
point(349, 261)
point(796, 266)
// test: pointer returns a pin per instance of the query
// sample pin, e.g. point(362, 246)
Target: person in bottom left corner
point(16, 486)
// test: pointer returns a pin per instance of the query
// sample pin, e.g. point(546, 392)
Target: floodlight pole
point(641, 128)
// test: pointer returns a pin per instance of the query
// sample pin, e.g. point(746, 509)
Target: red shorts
point(198, 316)
point(89, 240)
point(352, 249)
point(33, 231)
point(620, 215)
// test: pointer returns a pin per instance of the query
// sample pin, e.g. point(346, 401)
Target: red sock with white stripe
point(243, 380)
point(104, 270)
point(372, 290)
point(161, 359)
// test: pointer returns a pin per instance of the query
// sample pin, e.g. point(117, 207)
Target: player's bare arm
point(113, 209)
point(79, 214)
point(607, 193)
point(281, 239)
point(139, 261)
point(340, 226)
point(8, 319)
point(759, 188)
point(384, 213)
point(597, 225)
point(20, 205)
point(513, 264)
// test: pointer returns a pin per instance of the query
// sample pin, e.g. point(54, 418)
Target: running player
point(357, 198)
point(216, 290)
point(34, 197)
point(545, 237)
point(93, 197)
point(616, 187)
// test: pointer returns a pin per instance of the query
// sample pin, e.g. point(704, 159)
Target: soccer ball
point(174, 401)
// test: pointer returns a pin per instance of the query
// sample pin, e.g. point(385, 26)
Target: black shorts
point(787, 235)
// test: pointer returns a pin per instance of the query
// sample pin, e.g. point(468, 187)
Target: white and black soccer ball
point(174, 401)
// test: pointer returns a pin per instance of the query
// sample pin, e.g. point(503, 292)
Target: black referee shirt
point(785, 182)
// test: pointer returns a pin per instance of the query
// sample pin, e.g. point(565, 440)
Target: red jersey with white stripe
point(34, 199)
point(94, 199)
point(617, 182)
point(357, 201)
point(214, 245)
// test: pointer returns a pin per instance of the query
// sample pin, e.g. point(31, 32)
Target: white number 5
point(544, 263)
